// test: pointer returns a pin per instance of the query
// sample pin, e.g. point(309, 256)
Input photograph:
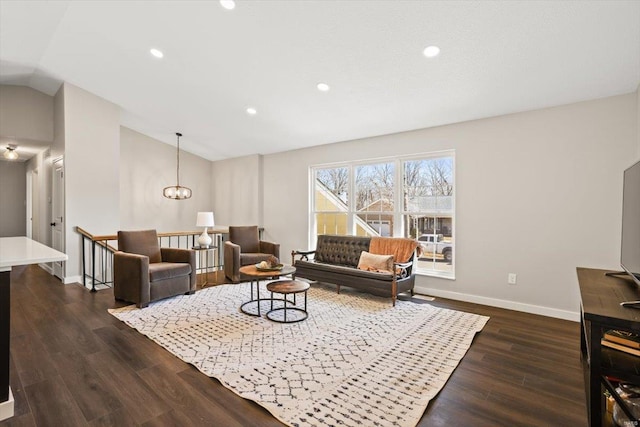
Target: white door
point(29, 205)
point(57, 213)
point(35, 206)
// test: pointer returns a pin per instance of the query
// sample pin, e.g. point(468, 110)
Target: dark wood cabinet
point(600, 311)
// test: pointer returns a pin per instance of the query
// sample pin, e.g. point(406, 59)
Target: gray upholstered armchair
point(145, 272)
point(244, 247)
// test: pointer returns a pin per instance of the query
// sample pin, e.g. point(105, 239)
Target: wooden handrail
point(212, 230)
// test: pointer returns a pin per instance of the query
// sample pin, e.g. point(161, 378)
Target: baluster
point(84, 272)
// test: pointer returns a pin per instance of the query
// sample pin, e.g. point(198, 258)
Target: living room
point(538, 187)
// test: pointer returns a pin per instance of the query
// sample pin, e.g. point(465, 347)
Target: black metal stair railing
point(98, 250)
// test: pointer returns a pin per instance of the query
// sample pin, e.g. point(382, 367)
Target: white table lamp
point(205, 219)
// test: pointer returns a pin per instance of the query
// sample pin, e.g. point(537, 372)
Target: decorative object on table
point(177, 192)
point(145, 272)
point(265, 266)
point(244, 247)
point(383, 371)
point(205, 219)
point(11, 153)
point(270, 264)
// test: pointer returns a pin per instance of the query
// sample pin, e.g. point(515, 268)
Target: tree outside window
point(428, 210)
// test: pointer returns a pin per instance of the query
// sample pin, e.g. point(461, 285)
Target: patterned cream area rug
point(355, 361)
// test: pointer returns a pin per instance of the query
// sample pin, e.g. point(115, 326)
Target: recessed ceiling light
point(228, 4)
point(157, 53)
point(252, 111)
point(323, 87)
point(431, 51)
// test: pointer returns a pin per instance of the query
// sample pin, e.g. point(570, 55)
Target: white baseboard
point(6, 408)
point(494, 302)
point(72, 279)
point(66, 280)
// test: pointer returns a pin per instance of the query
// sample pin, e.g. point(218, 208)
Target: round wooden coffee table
point(286, 287)
point(256, 275)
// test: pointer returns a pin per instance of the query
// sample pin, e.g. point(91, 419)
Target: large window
point(408, 196)
point(374, 190)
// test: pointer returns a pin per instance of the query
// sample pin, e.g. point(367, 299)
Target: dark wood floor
point(74, 364)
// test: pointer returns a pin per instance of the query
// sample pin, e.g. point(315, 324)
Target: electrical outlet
point(512, 278)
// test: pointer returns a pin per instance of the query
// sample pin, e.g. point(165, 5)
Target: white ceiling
point(496, 58)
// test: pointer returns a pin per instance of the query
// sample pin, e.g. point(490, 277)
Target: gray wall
point(13, 189)
point(25, 113)
point(57, 145)
point(538, 193)
point(237, 194)
point(146, 167)
point(92, 170)
point(638, 117)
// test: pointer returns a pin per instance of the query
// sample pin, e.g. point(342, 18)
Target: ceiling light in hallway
point(10, 153)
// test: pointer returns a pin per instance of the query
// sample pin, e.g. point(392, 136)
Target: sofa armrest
point(178, 255)
point(403, 269)
point(232, 261)
point(131, 278)
point(182, 255)
point(304, 255)
point(270, 248)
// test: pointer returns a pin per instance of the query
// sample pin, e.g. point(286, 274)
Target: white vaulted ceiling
point(496, 58)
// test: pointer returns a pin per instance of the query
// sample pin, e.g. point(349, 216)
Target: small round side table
point(256, 275)
point(286, 287)
point(204, 265)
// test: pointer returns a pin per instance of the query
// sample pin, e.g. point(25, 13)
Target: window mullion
point(398, 199)
point(312, 203)
point(351, 202)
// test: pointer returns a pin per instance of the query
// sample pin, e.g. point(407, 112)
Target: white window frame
point(399, 212)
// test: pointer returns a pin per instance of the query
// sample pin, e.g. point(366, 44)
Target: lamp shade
point(205, 219)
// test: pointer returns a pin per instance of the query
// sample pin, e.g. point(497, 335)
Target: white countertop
point(23, 251)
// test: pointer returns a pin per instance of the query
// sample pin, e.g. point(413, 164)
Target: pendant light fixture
point(177, 192)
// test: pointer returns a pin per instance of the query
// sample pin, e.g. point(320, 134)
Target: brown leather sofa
point(144, 272)
point(335, 260)
point(244, 247)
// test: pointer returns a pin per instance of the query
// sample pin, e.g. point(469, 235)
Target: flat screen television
point(630, 251)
